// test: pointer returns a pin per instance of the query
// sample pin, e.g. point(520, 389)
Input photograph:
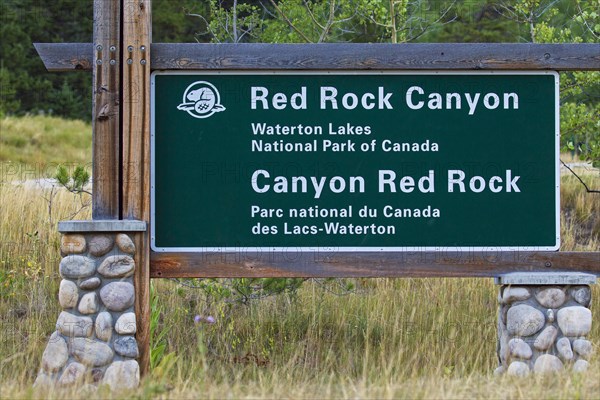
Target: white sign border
point(220, 250)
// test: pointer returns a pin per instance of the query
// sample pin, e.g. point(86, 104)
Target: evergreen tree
point(474, 21)
point(32, 89)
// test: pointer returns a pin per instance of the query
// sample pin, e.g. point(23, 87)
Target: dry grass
point(390, 338)
point(276, 385)
point(580, 216)
point(28, 277)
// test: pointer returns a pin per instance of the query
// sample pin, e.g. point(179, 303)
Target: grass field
point(36, 140)
point(385, 338)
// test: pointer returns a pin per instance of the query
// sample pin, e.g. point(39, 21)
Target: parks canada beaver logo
point(201, 100)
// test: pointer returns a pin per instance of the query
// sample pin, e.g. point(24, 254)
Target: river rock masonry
point(543, 326)
point(94, 341)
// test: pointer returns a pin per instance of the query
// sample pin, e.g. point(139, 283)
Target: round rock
point(583, 348)
point(582, 295)
point(43, 381)
point(72, 375)
point(518, 369)
point(97, 374)
point(503, 312)
point(574, 321)
point(90, 284)
point(563, 346)
point(546, 339)
point(524, 320)
point(547, 363)
point(127, 347)
point(100, 245)
point(499, 371)
point(580, 366)
point(515, 293)
point(77, 267)
point(551, 297)
point(117, 267)
point(122, 375)
point(74, 326)
point(550, 315)
point(56, 354)
point(126, 324)
point(503, 347)
point(88, 303)
point(72, 244)
point(117, 296)
point(68, 294)
point(125, 244)
point(520, 349)
point(91, 352)
point(104, 327)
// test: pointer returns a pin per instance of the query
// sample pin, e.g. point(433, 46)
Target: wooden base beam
point(324, 263)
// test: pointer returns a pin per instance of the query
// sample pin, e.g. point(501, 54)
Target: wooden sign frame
point(121, 59)
point(304, 57)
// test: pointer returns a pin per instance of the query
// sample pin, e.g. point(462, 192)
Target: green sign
point(354, 161)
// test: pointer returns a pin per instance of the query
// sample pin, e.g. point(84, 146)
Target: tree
point(473, 22)
point(306, 21)
point(172, 21)
point(26, 86)
point(9, 103)
point(577, 22)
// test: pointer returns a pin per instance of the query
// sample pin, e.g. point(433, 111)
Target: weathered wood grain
point(367, 264)
point(136, 36)
point(347, 56)
point(422, 56)
point(58, 57)
point(106, 137)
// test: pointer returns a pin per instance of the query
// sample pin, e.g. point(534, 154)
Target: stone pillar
point(543, 322)
point(94, 341)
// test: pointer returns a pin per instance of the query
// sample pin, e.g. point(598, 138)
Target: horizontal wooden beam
point(345, 264)
point(343, 56)
point(59, 57)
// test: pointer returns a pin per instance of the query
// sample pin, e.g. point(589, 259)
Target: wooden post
point(105, 120)
point(136, 37)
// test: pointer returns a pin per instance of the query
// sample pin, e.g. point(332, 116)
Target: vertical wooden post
point(105, 119)
point(135, 46)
